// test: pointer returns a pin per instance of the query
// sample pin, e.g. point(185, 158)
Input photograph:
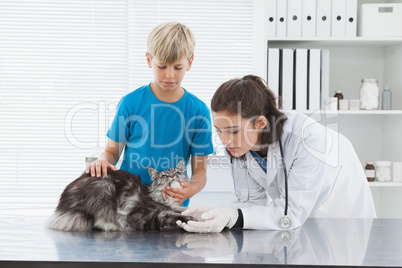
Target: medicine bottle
point(369, 94)
point(383, 171)
point(370, 171)
point(339, 95)
point(387, 99)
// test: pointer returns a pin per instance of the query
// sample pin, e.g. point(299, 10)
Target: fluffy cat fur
point(119, 202)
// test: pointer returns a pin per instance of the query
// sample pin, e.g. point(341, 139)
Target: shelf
point(336, 41)
point(385, 184)
point(355, 112)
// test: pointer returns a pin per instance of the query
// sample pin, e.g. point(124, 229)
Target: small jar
point(397, 171)
point(343, 104)
point(370, 171)
point(369, 94)
point(354, 104)
point(332, 104)
point(387, 98)
point(339, 96)
point(383, 171)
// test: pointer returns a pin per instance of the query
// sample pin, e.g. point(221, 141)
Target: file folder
point(324, 78)
point(309, 16)
point(271, 14)
point(273, 72)
point(323, 18)
point(281, 15)
point(338, 25)
point(294, 24)
point(314, 79)
point(300, 85)
point(287, 78)
point(351, 18)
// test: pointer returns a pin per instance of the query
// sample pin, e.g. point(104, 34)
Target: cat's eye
point(177, 174)
point(164, 176)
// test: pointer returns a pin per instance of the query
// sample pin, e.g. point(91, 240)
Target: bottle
point(369, 94)
point(387, 98)
point(338, 94)
point(383, 171)
point(370, 171)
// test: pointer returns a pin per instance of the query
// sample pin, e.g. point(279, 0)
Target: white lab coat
point(325, 178)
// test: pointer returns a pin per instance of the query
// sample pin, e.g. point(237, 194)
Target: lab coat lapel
point(256, 171)
point(273, 159)
point(258, 174)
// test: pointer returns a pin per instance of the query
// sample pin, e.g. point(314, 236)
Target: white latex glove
point(214, 221)
point(196, 212)
point(208, 245)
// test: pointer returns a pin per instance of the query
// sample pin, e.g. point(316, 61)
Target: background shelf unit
point(385, 184)
point(356, 112)
point(339, 41)
point(375, 134)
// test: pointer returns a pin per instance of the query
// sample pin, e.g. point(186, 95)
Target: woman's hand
point(212, 221)
point(99, 168)
point(179, 195)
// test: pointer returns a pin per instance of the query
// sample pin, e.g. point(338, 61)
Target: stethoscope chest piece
point(285, 222)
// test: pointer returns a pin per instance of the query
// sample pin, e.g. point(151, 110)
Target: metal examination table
point(25, 242)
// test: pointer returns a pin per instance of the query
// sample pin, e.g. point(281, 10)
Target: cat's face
point(171, 177)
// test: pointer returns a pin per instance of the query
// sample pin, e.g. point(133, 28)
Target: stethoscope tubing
point(285, 213)
point(286, 179)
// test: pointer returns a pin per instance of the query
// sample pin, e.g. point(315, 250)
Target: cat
point(120, 202)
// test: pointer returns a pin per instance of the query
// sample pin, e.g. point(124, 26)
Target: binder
point(300, 87)
point(294, 15)
point(271, 14)
point(281, 15)
point(338, 26)
point(309, 16)
point(273, 72)
point(287, 78)
point(314, 79)
point(323, 18)
point(351, 18)
point(324, 78)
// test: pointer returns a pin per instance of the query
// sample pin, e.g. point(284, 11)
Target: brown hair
point(250, 97)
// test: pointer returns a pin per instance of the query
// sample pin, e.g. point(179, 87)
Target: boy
point(159, 124)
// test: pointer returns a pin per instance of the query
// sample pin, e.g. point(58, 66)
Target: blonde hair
point(170, 42)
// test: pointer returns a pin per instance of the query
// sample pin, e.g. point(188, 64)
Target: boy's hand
point(99, 168)
point(179, 195)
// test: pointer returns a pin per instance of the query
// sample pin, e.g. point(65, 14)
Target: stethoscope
point(284, 222)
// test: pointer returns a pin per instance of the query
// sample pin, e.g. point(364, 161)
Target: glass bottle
point(383, 171)
point(369, 94)
point(387, 99)
point(339, 95)
point(370, 171)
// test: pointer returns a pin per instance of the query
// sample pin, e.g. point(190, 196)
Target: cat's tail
point(70, 221)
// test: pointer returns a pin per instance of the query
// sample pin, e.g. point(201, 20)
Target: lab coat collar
point(273, 160)
point(256, 172)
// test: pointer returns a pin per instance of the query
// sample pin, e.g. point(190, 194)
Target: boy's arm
point(112, 151)
point(107, 159)
point(199, 173)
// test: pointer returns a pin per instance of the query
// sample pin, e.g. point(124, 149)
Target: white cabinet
point(376, 135)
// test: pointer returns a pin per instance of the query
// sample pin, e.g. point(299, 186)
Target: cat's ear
point(152, 173)
point(180, 165)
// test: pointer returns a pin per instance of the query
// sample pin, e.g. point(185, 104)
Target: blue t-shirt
point(158, 134)
point(261, 161)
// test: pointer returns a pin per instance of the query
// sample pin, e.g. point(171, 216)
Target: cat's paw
point(185, 219)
